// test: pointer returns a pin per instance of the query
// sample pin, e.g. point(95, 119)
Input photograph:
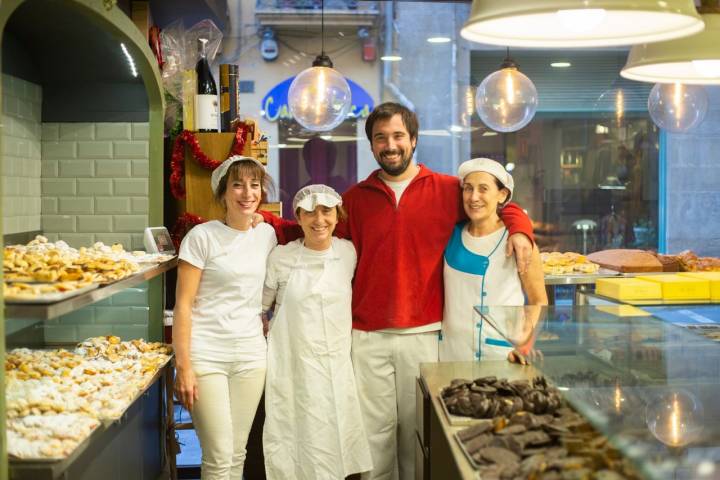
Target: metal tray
point(50, 297)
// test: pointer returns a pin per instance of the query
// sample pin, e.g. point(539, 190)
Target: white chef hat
point(488, 166)
point(220, 171)
point(311, 196)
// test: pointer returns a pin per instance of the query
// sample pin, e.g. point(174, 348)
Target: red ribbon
point(177, 160)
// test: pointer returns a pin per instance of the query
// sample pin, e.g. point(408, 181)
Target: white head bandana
point(220, 171)
point(488, 166)
point(311, 196)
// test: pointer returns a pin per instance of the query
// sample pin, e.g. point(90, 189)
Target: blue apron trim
point(497, 342)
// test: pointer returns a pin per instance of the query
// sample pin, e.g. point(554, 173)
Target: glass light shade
point(676, 107)
point(676, 418)
point(579, 23)
point(506, 100)
point(319, 98)
point(693, 60)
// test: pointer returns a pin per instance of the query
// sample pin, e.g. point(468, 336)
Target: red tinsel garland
point(184, 223)
point(177, 161)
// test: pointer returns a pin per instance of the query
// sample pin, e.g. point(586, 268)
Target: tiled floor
point(189, 455)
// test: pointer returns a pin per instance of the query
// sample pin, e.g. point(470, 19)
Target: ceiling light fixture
point(131, 62)
point(561, 64)
point(594, 23)
point(506, 100)
point(690, 60)
point(391, 58)
point(319, 97)
point(439, 40)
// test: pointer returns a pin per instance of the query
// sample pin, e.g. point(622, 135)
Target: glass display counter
point(647, 384)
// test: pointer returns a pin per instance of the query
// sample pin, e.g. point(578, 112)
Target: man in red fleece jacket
point(400, 219)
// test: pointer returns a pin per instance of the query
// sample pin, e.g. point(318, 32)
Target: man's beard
point(399, 169)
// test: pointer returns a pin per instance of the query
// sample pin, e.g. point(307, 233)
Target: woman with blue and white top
point(477, 272)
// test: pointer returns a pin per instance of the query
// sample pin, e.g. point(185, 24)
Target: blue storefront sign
point(275, 102)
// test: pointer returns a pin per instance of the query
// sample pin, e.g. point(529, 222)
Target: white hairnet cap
point(488, 166)
point(220, 171)
point(311, 196)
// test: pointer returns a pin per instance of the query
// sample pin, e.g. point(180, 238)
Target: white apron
point(471, 280)
point(313, 426)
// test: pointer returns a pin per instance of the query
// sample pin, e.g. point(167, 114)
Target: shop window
point(587, 185)
point(308, 158)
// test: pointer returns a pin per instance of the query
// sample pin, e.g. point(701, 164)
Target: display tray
point(110, 420)
point(43, 461)
point(469, 457)
point(46, 298)
point(456, 420)
point(579, 278)
point(45, 311)
point(58, 465)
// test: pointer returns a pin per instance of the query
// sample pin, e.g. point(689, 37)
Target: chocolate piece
point(478, 442)
point(470, 432)
point(512, 430)
point(482, 388)
point(535, 438)
point(499, 455)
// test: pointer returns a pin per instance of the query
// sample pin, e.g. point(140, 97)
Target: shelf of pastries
point(44, 280)
point(570, 268)
point(58, 400)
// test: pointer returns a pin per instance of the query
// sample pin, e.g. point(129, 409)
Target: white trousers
point(386, 366)
point(228, 396)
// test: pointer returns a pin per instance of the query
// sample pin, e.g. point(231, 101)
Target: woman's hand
point(257, 219)
point(522, 247)
point(186, 389)
point(265, 322)
point(517, 357)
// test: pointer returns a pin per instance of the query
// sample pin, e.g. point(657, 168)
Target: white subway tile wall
point(125, 314)
point(82, 183)
point(95, 182)
point(21, 148)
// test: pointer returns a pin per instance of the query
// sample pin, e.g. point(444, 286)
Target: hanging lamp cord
point(322, 27)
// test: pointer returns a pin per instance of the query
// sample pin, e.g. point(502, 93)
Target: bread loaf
point(624, 260)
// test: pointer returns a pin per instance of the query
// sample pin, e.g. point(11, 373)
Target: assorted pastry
point(543, 438)
point(46, 389)
point(43, 268)
point(557, 263)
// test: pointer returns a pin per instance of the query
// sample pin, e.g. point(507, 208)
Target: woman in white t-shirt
point(313, 425)
point(220, 349)
point(477, 272)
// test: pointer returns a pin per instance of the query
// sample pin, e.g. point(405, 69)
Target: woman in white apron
point(313, 425)
point(477, 272)
point(220, 350)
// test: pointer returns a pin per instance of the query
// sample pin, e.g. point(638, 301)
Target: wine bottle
point(206, 100)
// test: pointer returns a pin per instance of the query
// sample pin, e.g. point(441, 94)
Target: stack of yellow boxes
point(692, 287)
point(712, 277)
point(628, 289)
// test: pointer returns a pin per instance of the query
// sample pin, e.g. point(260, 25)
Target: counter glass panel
point(649, 385)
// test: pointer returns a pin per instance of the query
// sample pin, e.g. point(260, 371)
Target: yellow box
point(712, 277)
point(676, 287)
point(628, 289)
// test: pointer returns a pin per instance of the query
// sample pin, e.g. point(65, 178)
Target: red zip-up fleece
point(399, 277)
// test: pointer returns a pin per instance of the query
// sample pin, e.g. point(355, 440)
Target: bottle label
point(206, 112)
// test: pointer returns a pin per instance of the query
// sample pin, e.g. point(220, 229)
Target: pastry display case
point(83, 113)
point(649, 386)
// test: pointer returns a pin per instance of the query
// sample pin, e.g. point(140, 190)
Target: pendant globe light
point(506, 100)
point(676, 107)
point(579, 23)
point(689, 60)
point(319, 97)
